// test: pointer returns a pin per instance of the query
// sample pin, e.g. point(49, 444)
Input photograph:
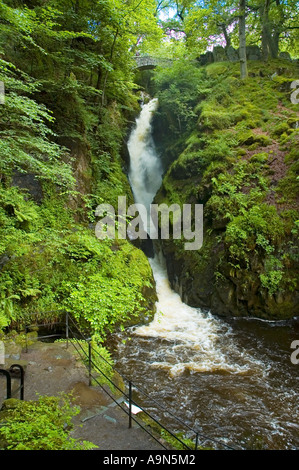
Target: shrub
point(273, 274)
point(260, 229)
point(44, 424)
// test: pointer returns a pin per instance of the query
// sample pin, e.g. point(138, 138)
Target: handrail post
point(67, 329)
point(89, 361)
point(21, 371)
point(26, 331)
point(196, 441)
point(22, 383)
point(8, 382)
point(130, 405)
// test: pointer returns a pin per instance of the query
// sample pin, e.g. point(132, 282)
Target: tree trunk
point(226, 36)
point(266, 31)
point(275, 44)
point(242, 39)
point(107, 71)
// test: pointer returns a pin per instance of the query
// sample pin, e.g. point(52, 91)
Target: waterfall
point(145, 175)
point(231, 378)
point(192, 336)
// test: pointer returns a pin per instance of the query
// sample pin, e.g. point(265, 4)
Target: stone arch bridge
point(147, 62)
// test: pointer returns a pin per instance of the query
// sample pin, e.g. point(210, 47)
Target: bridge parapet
point(144, 62)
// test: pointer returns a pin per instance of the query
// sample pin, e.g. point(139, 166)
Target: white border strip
point(2, 93)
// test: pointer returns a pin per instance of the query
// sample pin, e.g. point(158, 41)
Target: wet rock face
point(234, 294)
point(247, 266)
point(29, 182)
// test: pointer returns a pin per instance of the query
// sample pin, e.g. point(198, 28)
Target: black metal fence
point(102, 373)
point(15, 371)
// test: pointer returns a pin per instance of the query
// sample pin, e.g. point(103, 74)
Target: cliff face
point(50, 258)
point(239, 158)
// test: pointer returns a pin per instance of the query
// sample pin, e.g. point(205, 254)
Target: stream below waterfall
point(230, 379)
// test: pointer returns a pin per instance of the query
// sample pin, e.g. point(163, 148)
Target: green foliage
point(44, 424)
point(236, 190)
point(207, 23)
point(271, 25)
point(101, 360)
point(177, 91)
point(25, 143)
point(240, 159)
point(288, 186)
point(114, 296)
point(51, 261)
point(273, 275)
point(71, 280)
point(68, 74)
point(258, 229)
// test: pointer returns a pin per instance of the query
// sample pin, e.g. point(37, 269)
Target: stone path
point(51, 369)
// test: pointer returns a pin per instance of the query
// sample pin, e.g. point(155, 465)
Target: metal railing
point(123, 396)
point(15, 371)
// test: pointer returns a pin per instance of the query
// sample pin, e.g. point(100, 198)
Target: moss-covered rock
point(240, 161)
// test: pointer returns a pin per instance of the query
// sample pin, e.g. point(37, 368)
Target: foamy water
point(145, 173)
point(193, 337)
point(231, 378)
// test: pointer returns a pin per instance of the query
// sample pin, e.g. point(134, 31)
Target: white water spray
point(145, 173)
point(192, 336)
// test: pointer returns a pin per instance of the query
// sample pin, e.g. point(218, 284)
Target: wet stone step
point(88, 414)
point(109, 418)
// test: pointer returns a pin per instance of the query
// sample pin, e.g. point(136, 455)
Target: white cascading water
point(186, 328)
point(145, 174)
point(145, 166)
point(232, 379)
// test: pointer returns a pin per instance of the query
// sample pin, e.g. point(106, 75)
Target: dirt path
point(51, 369)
